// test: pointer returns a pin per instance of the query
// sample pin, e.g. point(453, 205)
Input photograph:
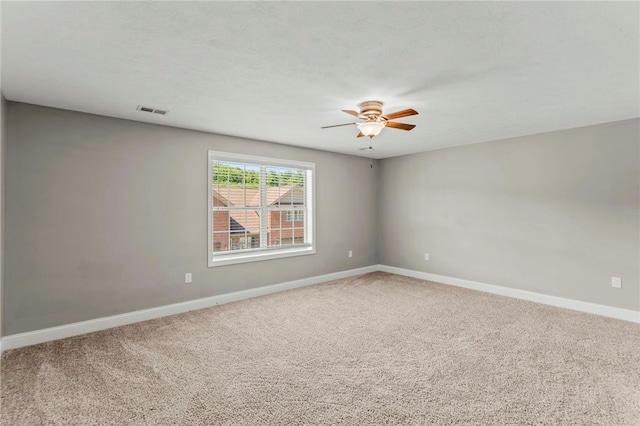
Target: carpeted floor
point(370, 350)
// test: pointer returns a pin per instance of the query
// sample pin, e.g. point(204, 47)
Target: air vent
point(152, 110)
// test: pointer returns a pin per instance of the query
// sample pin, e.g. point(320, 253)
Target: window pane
point(298, 235)
point(220, 241)
point(243, 225)
point(274, 238)
point(238, 184)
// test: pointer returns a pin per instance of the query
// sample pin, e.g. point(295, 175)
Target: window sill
point(232, 259)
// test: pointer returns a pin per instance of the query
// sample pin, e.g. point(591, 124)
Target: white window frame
point(264, 252)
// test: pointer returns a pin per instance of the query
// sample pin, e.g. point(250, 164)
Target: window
point(294, 216)
point(259, 208)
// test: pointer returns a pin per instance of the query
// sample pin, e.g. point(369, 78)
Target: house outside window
point(259, 208)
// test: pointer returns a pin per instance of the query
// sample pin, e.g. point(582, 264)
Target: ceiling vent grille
point(152, 110)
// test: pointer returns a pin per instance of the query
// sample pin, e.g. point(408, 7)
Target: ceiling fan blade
point(354, 113)
point(338, 125)
point(402, 126)
point(404, 113)
point(360, 135)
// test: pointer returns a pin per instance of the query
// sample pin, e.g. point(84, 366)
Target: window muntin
point(250, 200)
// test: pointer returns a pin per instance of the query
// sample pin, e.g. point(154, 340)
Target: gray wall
point(553, 213)
point(104, 216)
point(3, 127)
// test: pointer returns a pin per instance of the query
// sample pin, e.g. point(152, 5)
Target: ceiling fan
point(373, 120)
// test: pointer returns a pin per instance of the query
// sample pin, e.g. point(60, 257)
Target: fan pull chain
point(371, 162)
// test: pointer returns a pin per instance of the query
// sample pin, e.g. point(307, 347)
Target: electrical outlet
point(350, 253)
point(187, 278)
point(616, 282)
point(426, 256)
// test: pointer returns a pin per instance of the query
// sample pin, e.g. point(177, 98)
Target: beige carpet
point(371, 350)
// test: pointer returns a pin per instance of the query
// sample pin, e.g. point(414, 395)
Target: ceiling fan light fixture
point(374, 121)
point(370, 128)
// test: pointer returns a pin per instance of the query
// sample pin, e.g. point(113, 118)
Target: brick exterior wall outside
point(220, 223)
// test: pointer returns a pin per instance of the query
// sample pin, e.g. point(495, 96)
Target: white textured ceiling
point(278, 71)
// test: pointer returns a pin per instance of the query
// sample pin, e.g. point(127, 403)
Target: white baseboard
point(576, 305)
point(54, 333)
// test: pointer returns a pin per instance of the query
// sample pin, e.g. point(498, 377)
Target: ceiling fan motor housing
point(371, 109)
